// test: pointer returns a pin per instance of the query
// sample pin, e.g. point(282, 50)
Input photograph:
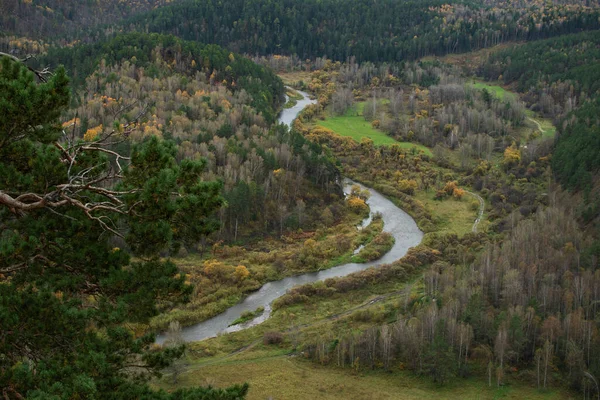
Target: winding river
point(396, 222)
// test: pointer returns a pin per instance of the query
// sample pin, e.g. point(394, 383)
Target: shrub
point(272, 337)
point(407, 186)
point(458, 193)
point(241, 273)
point(450, 187)
point(357, 204)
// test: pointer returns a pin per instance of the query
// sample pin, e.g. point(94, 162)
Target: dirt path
point(481, 209)
point(535, 121)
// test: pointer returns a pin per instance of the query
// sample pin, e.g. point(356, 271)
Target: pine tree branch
point(20, 204)
point(41, 74)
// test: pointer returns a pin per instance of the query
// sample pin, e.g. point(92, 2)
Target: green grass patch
point(451, 215)
point(497, 91)
point(543, 125)
point(276, 375)
point(291, 103)
point(353, 124)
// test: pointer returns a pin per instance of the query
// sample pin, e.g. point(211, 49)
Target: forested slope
point(213, 104)
point(365, 30)
point(561, 78)
point(42, 19)
point(213, 62)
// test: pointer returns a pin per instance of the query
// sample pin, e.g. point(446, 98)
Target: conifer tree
point(68, 294)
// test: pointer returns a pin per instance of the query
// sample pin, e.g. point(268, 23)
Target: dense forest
point(214, 105)
point(364, 30)
point(47, 18)
point(218, 65)
point(67, 292)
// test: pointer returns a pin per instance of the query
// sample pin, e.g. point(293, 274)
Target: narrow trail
point(535, 121)
point(480, 212)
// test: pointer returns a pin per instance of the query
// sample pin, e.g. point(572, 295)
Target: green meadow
point(353, 124)
point(498, 91)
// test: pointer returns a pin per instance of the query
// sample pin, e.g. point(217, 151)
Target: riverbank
point(402, 231)
point(396, 222)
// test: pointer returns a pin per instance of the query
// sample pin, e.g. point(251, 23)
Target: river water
point(397, 222)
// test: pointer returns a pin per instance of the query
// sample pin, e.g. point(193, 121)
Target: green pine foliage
point(68, 295)
point(571, 58)
point(362, 29)
point(577, 154)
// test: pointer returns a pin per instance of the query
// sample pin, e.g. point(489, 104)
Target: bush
point(272, 337)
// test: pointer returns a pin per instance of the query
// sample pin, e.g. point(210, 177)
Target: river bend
point(397, 222)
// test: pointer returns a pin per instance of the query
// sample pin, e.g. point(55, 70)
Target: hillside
point(560, 78)
point(363, 30)
point(43, 19)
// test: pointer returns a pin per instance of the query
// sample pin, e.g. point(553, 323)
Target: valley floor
point(276, 375)
point(278, 371)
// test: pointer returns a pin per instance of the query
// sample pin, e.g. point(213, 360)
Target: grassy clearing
point(292, 78)
point(282, 377)
point(498, 91)
point(352, 124)
point(451, 215)
point(542, 125)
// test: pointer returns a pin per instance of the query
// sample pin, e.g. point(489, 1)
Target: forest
point(149, 189)
point(560, 77)
point(364, 30)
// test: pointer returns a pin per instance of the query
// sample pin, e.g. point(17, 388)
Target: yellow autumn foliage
point(458, 193)
point(92, 133)
point(407, 186)
point(241, 273)
point(356, 204)
point(512, 155)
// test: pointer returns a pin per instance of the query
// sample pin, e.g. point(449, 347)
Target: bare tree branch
point(41, 74)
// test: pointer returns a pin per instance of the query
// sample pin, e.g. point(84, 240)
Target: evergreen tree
point(440, 361)
point(68, 295)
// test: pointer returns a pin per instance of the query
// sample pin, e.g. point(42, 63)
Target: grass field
point(353, 124)
point(498, 91)
point(543, 125)
point(451, 215)
point(282, 377)
point(291, 78)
